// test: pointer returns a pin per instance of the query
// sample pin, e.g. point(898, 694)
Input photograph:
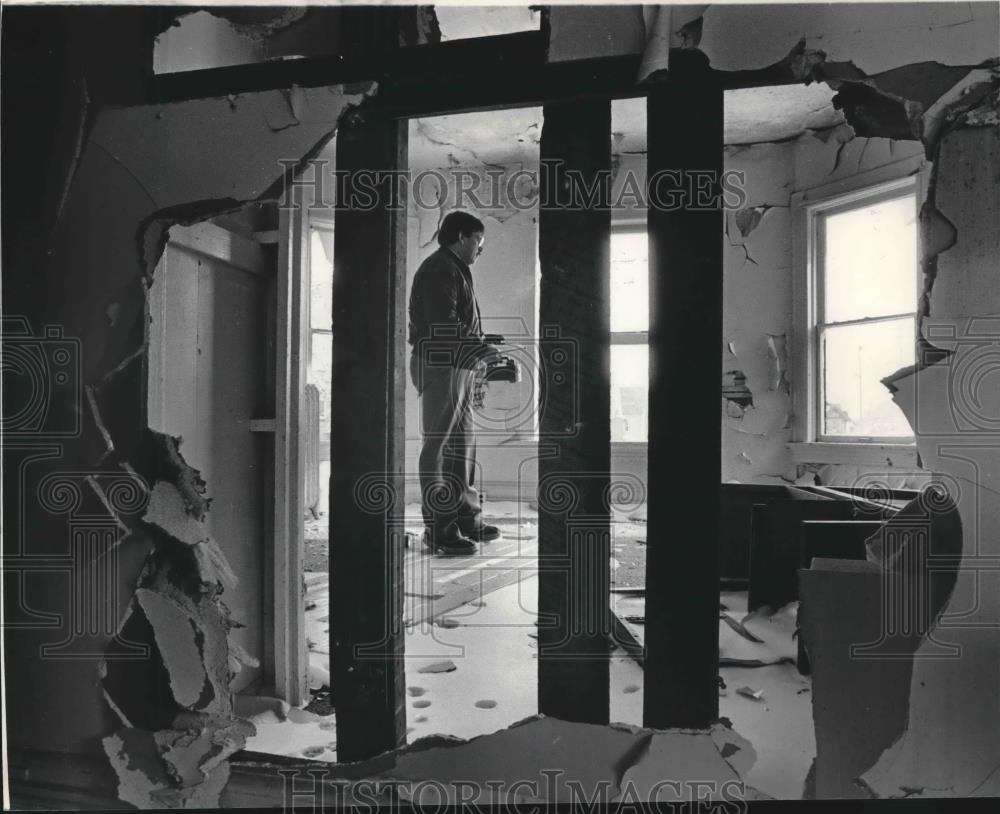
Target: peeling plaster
point(127, 190)
point(167, 511)
point(951, 742)
point(757, 281)
point(777, 353)
point(178, 768)
point(735, 390)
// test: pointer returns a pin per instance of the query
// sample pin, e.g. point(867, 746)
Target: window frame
point(629, 337)
point(809, 444)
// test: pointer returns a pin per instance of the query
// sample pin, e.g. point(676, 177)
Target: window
point(857, 312)
point(320, 350)
point(629, 335)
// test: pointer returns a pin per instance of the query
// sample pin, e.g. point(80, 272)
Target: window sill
point(899, 456)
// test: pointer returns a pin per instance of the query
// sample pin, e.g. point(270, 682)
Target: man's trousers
point(448, 456)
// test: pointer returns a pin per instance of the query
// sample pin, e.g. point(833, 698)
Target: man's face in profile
point(470, 247)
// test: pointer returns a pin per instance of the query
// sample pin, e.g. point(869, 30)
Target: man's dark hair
point(457, 224)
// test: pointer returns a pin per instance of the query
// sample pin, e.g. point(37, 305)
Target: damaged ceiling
point(511, 136)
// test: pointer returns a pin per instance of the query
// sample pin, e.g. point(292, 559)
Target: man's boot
point(449, 541)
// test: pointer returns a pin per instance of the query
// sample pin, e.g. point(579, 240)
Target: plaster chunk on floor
point(735, 650)
point(735, 749)
point(679, 766)
point(583, 752)
point(616, 762)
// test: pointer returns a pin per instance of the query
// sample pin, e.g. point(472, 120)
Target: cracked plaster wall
point(141, 169)
point(757, 411)
point(950, 743)
point(757, 302)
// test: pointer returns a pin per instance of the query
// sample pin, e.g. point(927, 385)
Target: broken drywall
point(951, 744)
point(141, 170)
point(184, 767)
point(612, 764)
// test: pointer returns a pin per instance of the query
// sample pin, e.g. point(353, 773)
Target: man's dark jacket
point(444, 314)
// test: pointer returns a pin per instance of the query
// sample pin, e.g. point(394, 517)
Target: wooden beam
point(480, 73)
point(221, 244)
point(468, 74)
point(574, 546)
point(684, 123)
point(367, 453)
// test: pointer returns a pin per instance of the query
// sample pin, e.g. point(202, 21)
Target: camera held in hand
point(500, 368)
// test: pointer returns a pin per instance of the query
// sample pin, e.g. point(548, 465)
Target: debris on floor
point(438, 667)
point(739, 628)
point(300, 734)
point(750, 692)
point(615, 762)
point(319, 678)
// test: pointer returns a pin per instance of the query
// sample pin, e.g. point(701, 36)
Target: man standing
point(448, 347)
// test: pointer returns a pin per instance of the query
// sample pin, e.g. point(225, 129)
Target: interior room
point(742, 262)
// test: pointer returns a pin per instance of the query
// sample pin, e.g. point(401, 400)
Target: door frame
point(291, 663)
